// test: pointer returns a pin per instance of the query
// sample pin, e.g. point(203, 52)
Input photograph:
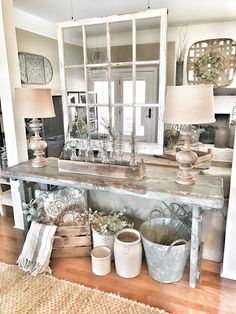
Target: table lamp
point(187, 105)
point(35, 103)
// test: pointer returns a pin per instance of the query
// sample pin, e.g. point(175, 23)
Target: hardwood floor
point(213, 294)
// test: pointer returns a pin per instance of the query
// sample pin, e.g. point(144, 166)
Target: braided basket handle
point(65, 209)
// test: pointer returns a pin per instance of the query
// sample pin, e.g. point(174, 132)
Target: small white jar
point(101, 260)
point(100, 239)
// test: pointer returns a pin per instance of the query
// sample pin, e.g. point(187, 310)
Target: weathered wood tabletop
point(158, 184)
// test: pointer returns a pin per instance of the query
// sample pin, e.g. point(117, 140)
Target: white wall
point(31, 42)
point(194, 33)
point(205, 31)
point(229, 259)
point(10, 79)
point(47, 47)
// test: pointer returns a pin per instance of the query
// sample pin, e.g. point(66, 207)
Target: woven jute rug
point(22, 293)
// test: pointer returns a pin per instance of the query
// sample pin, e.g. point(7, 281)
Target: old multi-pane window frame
point(110, 66)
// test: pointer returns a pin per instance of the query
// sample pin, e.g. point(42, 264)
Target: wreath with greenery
point(209, 66)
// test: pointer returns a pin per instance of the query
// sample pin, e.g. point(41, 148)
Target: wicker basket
point(202, 67)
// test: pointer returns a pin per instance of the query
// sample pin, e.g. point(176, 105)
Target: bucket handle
point(174, 243)
point(153, 211)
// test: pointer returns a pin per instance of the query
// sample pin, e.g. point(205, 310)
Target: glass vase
point(73, 154)
point(133, 161)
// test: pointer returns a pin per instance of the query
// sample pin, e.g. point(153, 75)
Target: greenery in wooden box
point(108, 222)
point(80, 147)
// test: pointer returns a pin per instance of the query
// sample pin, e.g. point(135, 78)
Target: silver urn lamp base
point(186, 158)
point(37, 144)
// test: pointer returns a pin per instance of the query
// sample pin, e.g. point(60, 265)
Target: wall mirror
point(115, 78)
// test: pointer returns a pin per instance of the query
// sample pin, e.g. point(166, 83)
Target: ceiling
point(181, 12)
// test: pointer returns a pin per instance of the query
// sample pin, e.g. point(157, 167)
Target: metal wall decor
point(34, 69)
point(97, 56)
point(212, 61)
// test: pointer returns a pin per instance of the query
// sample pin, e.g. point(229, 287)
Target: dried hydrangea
point(108, 222)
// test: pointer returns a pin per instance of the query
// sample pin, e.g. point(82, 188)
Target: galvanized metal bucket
point(165, 263)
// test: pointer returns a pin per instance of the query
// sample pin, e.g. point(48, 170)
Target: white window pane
point(128, 112)
point(140, 92)
point(101, 88)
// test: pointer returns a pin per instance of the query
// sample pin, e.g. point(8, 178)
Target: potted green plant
point(33, 210)
point(114, 138)
point(105, 225)
point(171, 136)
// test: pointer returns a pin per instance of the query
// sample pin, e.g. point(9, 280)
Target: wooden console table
point(205, 194)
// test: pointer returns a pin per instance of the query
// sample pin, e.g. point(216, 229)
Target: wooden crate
point(121, 171)
point(72, 241)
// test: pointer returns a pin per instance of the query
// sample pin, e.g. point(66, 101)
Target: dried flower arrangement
point(111, 131)
point(116, 139)
point(77, 127)
point(108, 223)
point(182, 44)
point(133, 161)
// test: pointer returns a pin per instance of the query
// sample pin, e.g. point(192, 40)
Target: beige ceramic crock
point(128, 253)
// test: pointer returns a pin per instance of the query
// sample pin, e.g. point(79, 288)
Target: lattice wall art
point(212, 61)
point(34, 69)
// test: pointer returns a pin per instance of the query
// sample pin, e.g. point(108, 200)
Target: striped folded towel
point(37, 249)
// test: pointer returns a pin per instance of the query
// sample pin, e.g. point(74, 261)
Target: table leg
point(195, 244)
point(25, 199)
point(200, 252)
point(2, 210)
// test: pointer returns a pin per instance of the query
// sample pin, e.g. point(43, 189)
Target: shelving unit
point(5, 195)
point(5, 187)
